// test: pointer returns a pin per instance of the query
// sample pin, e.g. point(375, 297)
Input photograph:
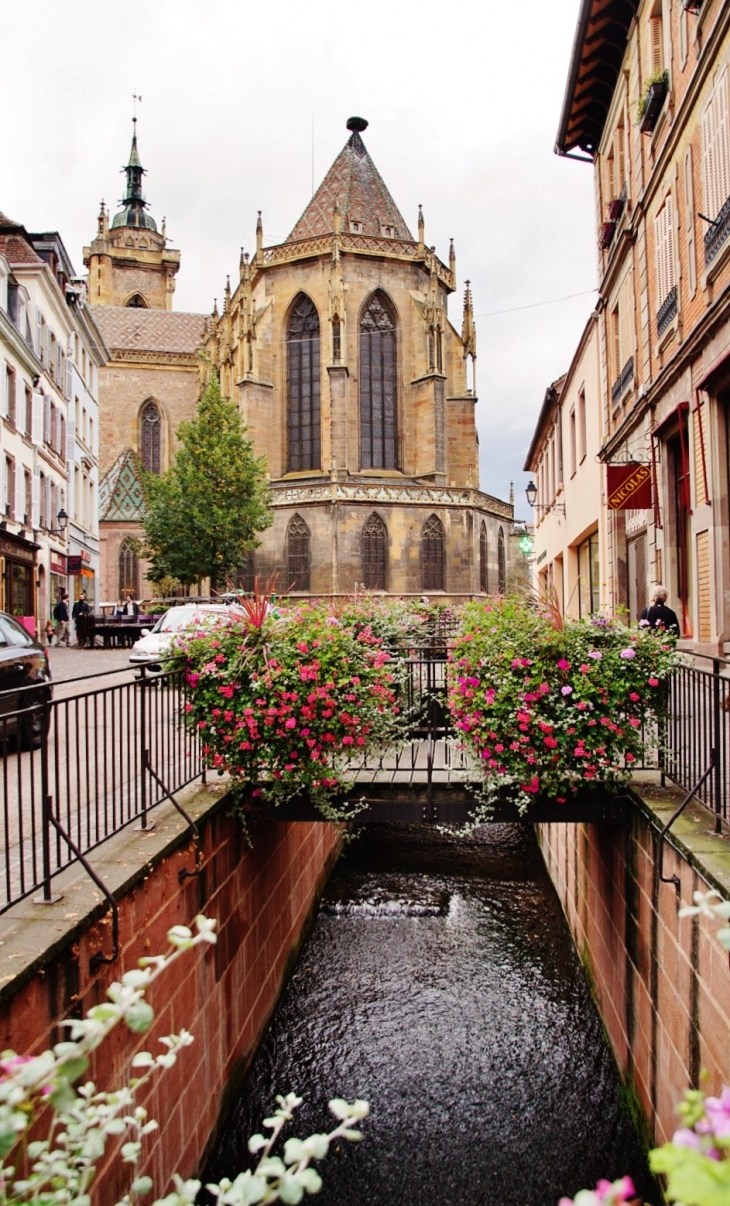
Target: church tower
point(129, 263)
point(355, 384)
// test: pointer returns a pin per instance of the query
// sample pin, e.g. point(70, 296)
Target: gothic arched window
point(297, 554)
point(378, 389)
point(501, 563)
point(433, 556)
point(128, 570)
point(483, 559)
point(303, 386)
point(151, 437)
point(138, 302)
point(374, 545)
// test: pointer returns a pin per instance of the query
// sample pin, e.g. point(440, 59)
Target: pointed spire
point(227, 296)
point(452, 259)
point(259, 239)
point(512, 494)
point(102, 220)
point(134, 204)
point(337, 217)
point(240, 265)
point(421, 230)
point(469, 333)
point(163, 230)
point(215, 308)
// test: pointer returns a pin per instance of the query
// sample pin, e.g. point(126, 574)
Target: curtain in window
point(378, 391)
point(374, 545)
point(303, 386)
point(433, 554)
point(297, 549)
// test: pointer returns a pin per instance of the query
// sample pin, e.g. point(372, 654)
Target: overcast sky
point(463, 102)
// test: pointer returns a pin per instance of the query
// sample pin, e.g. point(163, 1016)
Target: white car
point(155, 644)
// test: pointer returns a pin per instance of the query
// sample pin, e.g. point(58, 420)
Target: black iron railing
point(105, 756)
point(623, 381)
point(717, 233)
point(667, 311)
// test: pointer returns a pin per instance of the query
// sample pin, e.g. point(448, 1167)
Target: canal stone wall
point(661, 983)
point(263, 897)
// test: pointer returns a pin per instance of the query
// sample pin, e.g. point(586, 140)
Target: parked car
point(25, 676)
point(151, 649)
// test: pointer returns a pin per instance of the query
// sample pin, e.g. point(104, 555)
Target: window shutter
point(38, 413)
point(19, 493)
point(71, 441)
point(722, 169)
point(39, 333)
point(57, 444)
point(708, 157)
point(657, 53)
point(689, 222)
point(47, 420)
point(3, 391)
point(69, 380)
point(669, 243)
point(36, 518)
point(49, 350)
point(50, 517)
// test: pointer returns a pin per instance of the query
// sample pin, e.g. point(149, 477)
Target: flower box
point(656, 94)
point(616, 208)
point(605, 239)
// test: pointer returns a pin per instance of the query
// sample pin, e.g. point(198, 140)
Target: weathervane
point(136, 97)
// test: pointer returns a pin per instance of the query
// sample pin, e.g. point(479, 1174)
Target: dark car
point(25, 676)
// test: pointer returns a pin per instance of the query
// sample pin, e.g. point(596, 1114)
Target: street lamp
point(531, 495)
point(62, 520)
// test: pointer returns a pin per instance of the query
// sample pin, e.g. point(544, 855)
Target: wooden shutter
point(689, 222)
point(59, 365)
point(47, 420)
point(50, 517)
point(36, 518)
point(69, 380)
point(625, 322)
point(19, 493)
point(39, 334)
point(38, 414)
point(71, 441)
point(3, 391)
point(722, 169)
point(57, 443)
point(657, 50)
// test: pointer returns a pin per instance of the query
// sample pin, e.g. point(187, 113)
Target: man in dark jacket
point(60, 615)
point(658, 615)
point(81, 624)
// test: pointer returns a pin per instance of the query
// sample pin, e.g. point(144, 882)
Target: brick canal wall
point(662, 985)
point(262, 897)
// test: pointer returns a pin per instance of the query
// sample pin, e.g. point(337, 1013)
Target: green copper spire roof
point(134, 204)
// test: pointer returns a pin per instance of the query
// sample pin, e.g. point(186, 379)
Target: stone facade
point(383, 378)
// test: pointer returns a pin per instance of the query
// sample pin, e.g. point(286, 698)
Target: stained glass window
point(374, 545)
point(303, 386)
point(378, 390)
point(483, 559)
point(297, 548)
point(151, 437)
point(501, 563)
point(433, 554)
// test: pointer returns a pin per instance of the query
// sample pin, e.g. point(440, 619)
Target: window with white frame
point(666, 294)
point(716, 167)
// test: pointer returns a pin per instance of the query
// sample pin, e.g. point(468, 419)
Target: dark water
point(440, 983)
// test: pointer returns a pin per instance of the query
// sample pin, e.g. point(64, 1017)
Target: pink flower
point(627, 653)
point(290, 723)
point(718, 1113)
point(634, 696)
point(563, 665)
point(653, 682)
point(594, 653)
point(566, 690)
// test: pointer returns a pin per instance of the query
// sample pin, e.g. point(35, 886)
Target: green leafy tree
point(203, 516)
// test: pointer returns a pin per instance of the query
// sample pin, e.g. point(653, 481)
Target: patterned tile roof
point(136, 329)
point(121, 498)
point(16, 249)
point(356, 184)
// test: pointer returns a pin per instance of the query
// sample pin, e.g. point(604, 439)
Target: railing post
point(47, 827)
point(143, 750)
point(716, 748)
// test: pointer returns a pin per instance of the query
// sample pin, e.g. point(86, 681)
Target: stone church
point(350, 377)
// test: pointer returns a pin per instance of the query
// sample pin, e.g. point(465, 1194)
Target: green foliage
point(550, 710)
point(203, 515)
point(660, 76)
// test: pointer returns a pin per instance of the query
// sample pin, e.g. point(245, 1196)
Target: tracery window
point(378, 389)
point(128, 570)
point(501, 563)
point(433, 554)
point(297, 551)
point(138, 302)
point(483, 559)
point(303, 386)
point(374, 546)
point(151, 441)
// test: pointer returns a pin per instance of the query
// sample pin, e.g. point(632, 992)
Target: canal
point(441, 984)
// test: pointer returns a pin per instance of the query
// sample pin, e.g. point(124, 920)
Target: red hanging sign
point(628, 487)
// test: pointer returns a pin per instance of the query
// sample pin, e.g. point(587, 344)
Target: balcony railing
point(718, 233)
point(623, 381)
point(667, 311)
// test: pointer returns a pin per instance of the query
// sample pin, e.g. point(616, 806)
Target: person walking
point(81, 624)
point(658, 615)
point(60, 615)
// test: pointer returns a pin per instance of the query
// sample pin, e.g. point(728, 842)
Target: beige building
point(151, 382)
point(570, 519)
point(354, 383)
point(648, 104)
